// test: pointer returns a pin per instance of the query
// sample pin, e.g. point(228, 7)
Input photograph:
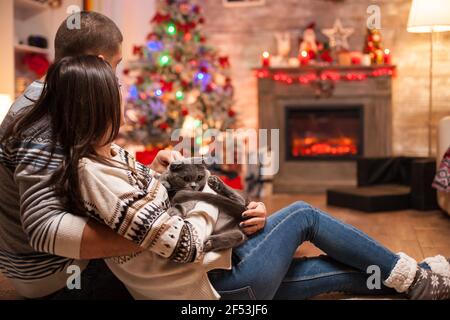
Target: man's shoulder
point(30, 96)
point(39, 133)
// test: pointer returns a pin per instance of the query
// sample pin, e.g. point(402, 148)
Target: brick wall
point(244, 33)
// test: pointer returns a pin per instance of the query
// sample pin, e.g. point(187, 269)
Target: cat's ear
point(201, 166)
point(176, 166)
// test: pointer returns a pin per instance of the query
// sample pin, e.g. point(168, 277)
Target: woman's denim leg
point(311, 277)
point(265, 259)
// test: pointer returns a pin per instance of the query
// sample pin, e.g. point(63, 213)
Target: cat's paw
point(173, 212)
point(215, 183)
point(208, 246)
point(166, 184)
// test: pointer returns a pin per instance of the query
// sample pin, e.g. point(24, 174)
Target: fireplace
point(324, 132)
point(321, 137)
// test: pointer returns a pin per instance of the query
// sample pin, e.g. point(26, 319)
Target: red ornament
point(177, 56)
point(184, 84)
point(224, 62)
point(126, 71)
point(188, 37)
point(140, 80)
point(164, 126)
point(186, 27)
point(231, 113)
point(209, 88)
point(160, 18)
point(137, 51)
point(201, 20)
point(184, 112)
point(196, 9)
point(143, 120)
point(152, 36)
point(228, 84)
point(166, 86)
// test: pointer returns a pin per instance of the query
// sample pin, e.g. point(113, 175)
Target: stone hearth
point(372, 95)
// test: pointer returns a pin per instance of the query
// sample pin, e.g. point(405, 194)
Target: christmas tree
point(177, 81)
point(373, 46)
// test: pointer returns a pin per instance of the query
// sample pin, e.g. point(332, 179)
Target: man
point(41, 243)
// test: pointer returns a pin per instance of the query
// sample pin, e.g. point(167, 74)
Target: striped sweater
point(39, 238)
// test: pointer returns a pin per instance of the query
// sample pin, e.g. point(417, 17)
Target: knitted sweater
point(134, 204)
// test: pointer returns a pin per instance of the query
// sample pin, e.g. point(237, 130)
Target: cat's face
point(187, 176)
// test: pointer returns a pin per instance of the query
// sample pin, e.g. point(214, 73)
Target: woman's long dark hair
point(81, 99)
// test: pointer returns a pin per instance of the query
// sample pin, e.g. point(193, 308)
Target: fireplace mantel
point(373, 93)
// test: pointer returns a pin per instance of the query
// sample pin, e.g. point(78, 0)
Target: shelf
point(30, 49)
point(24, 9)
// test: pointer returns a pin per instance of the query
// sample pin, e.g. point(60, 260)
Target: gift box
point(235, 183)
point(146, 157)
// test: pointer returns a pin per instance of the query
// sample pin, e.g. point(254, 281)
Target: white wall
point(7, 51)
point(132, 17)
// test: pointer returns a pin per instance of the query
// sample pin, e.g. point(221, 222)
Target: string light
point(197, 123)
point(200, 76)
point(164, 60)
point(158, 93)
point(331, 75)
point(155, 46)
point(171, 29)
point(179, 95)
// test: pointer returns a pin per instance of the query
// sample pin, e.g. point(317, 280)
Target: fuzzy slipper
point(439, 265)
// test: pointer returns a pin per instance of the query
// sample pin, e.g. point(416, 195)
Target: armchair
point(443, 144)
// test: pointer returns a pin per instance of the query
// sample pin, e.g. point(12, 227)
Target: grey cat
point(184, 181)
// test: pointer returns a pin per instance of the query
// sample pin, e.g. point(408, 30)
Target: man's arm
point(99, 242)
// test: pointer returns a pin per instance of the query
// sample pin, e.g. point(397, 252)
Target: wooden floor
point(419, 234)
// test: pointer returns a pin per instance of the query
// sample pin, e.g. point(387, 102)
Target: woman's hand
point(164, 159)
point(256, 218)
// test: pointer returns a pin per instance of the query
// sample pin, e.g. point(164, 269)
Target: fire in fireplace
point(325, 132)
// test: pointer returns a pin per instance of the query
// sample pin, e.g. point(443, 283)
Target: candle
point(379, 56)
point(266, 59)
point(304, 58)
point(366, 60)
point(356, 57)
point(387, 56)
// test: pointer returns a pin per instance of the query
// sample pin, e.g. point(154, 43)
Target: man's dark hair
point(97, 35)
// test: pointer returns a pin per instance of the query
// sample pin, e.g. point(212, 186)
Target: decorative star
point(338, 35)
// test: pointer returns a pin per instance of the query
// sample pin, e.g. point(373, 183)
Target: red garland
point(324, 75)
point(37, 63)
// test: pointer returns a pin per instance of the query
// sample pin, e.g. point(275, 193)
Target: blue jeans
point(264, 267)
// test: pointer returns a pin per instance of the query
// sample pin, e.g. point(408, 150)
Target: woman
point(82, 100)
